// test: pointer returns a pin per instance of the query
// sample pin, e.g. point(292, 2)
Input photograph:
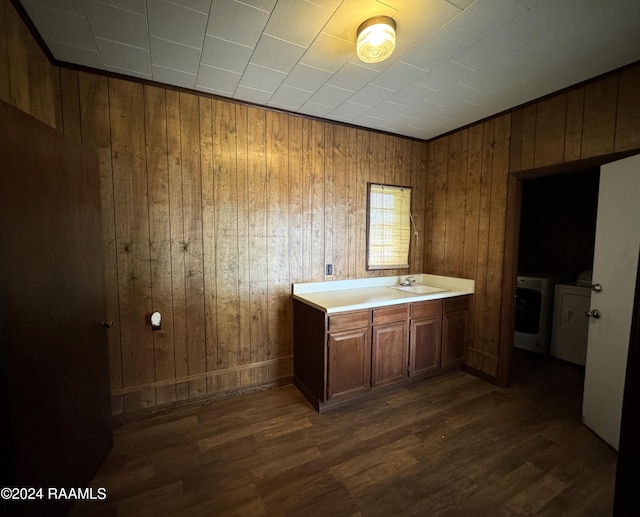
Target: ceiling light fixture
point(376, 39)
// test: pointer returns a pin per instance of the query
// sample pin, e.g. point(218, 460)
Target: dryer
point(570, 324)
point(534, 311)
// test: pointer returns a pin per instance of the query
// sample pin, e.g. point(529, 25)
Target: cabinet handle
point(595, 314)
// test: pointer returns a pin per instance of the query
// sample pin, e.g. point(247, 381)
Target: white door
point(615, 265)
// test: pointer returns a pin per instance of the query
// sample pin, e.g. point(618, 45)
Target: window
point(389, 226)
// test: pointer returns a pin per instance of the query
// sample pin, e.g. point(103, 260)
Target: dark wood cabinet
point(349, 362)
point(425, 343)
point(341, 356)
point(390, 345)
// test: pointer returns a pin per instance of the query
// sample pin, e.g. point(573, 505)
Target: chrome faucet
point(408, 281)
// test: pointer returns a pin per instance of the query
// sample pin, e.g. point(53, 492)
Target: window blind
point(389, 233)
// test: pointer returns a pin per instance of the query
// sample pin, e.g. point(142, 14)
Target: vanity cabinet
point(338, 357)
point(426, 330)
point(348, 355)
point(390, 345)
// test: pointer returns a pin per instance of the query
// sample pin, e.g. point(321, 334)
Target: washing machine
point(570, 324)
point(534, 311)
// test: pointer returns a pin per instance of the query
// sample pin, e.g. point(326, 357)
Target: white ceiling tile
point(463, 4)
point(265, 5)
point(411, 95)
point(348, 17)
point(135, 6)
point(455, 60)
point(61, 26)
point(395, 4)
point(327, 4)
point(488, 51)
point(69, 6)
point(217, 79)
point(175, 56)
point(276, 54)
point(225, 54)
point(202, 6)
point(77, 55)
point(398, 76)
point(173, 77)
point(289, 98)
point(306, 77)
point(352, 77)
point(330, 96)
point(349, 111)
point(384, 110)
point(260, 78)
point(237, 22)
point(250, 95)
point(421, 18)
point(328, 53)
point(124, 57)
point(316, 110)
point(444, 75)
point(297, 22)
point(481, 19)
point(174, 23)
point(115, 24)
point(371, 95)
point(437, 49)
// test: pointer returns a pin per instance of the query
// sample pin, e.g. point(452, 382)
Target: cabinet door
point(454, 326)
point(424, 346)
point(349, 362)
point(389, 354)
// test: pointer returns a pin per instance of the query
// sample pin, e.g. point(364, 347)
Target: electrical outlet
point(329, 269)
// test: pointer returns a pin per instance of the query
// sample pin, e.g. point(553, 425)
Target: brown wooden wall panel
point(455, 203)
point(598, 126)
point(27, 80)
point(131, 215)
point(628, 113)
point(550, 131)
point(573, 125)
point(155, 131)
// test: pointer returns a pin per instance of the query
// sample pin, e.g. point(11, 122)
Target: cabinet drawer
point(390, 314)
point(459, 303)
point(348, 321)
point(428, 308)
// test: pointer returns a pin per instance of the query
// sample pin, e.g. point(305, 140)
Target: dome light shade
point(376, 39)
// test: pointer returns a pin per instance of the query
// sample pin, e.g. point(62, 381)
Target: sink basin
point(419, 289)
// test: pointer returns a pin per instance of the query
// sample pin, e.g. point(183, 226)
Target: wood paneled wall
point(472, 192)
point(465, 222)
point(28, 80)
point(212, 209)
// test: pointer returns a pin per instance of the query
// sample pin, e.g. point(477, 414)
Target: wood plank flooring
point(451, 446)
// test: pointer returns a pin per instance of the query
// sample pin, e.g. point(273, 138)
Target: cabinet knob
point(595, 314)
point(106, 324)
point(597, 288)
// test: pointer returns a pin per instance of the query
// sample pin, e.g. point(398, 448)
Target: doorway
point(556, 244)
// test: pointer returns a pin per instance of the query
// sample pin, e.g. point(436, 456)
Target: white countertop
point(366, 293)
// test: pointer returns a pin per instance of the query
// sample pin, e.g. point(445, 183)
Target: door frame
point(512, 242)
